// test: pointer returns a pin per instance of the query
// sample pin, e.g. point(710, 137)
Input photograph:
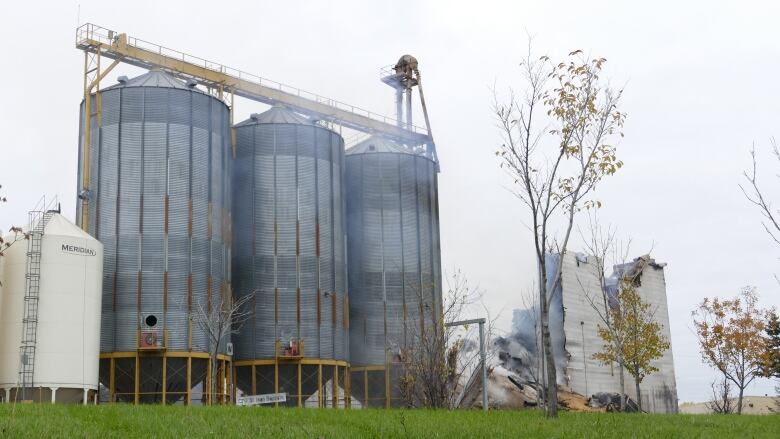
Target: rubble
point(611, 402)
point(573, 401)
point(574, 337)
point(505, 391)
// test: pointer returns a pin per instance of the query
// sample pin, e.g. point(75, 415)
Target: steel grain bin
point(393, 253)
point(289, 237)
point(159, 201)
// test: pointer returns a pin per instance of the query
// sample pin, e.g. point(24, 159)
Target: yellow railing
point(90, 36)
point(292, 350)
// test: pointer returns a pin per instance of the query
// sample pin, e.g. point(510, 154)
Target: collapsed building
point(574, 332)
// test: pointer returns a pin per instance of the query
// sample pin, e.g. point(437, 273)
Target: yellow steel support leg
point(112, 381)
point(164, 377)
point(335, 387)
point(92, 79)
point(87, 135)
point(300, 390)
point(254, 380)
point(347, 387)
point(276, 380)
point(209, 391)
point(232, 382)
point(232, 128)
point(86, 68)
point(137, 387)
point(319, 386)
point(189, 380)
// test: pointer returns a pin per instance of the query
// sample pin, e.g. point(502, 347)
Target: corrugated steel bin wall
point(160, 155)
point(394, 254)
point(289, 238)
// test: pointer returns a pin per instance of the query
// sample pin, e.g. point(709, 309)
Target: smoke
point(519, 351)
point(469, 345)
point(557, 336)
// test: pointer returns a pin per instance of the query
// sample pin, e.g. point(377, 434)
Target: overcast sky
point(700, 89)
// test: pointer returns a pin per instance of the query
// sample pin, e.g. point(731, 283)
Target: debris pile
point(611, 402)
point(574, 402)
point(505, 391)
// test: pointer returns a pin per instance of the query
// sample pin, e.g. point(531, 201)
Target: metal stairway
point(37, 224)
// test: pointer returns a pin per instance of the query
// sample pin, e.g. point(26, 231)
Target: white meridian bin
point(67, 345)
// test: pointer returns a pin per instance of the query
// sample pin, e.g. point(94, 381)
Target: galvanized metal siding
point(289, 235)
point(340, 337)
point(158, 178)
point(394, 254)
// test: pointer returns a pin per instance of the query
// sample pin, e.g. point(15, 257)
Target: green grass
point(105, 421)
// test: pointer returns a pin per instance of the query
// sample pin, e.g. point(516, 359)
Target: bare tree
point(219, 319)
point(557, 177)
point(721, 397)
point(756, 195)
point(759, 198)
point(438, 356)
point(16, 233)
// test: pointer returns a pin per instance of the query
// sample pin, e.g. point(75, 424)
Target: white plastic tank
point(68, 329)
point(2, 282)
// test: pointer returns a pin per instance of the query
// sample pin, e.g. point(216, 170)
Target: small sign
point(77, 250)
point(268, 398)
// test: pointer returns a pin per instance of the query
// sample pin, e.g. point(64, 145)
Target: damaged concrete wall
point(574, 333)
point(587, 376)
point(580, 281)
point(659, 390)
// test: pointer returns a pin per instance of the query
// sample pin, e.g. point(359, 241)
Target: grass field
point(107, 421)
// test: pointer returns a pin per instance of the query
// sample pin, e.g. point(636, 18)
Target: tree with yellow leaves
point(634, 338)
point(559, 142)
point(731, 337)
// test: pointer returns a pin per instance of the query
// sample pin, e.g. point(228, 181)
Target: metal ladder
point(37, 223)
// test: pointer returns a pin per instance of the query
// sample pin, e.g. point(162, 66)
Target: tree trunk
point(541, 346)
point(638, 395)
point(739, 401)
point(539, 371)
point(552, 385)
point(622, 387)
point(212, 379)
point(214, 376)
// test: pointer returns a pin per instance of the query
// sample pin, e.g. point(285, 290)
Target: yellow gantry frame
point(223, 82)
point(92, 76)
point(98, 42)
